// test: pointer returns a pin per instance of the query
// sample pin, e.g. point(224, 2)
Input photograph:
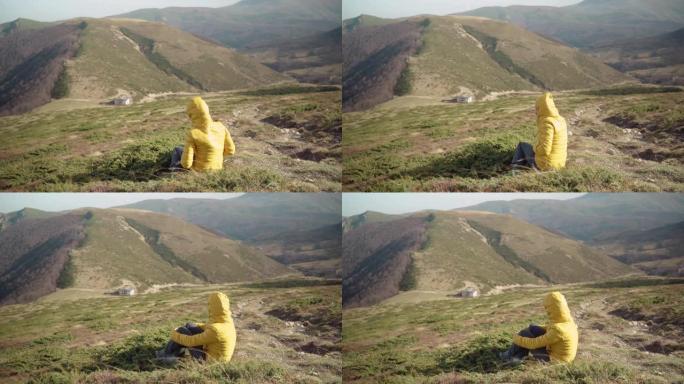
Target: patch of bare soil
point(309, 140)
point(654, 142)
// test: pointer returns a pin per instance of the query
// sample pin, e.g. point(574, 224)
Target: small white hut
point(470, 292)
point(123, 100)
point(464, 99)
point(126, 291)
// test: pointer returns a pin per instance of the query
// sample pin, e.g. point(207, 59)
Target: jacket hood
point(546, 107)
point(219, 308)
point(198, 112)
point(557, 308)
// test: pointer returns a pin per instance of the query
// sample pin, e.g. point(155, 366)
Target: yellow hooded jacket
point(207, 142)
point(218, 338)
point(561, 336)
point(551, 149)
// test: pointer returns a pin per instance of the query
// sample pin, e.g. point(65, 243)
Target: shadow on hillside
point(482, 160)
point(140, 162)
point(136, 353)
point(479, 356)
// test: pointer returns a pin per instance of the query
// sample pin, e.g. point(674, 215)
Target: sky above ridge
point(398, 203)
point(55, 202)
point(53, 10)
point(403, 8)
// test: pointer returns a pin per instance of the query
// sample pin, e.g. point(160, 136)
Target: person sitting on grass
point(214, 340)
point(555, 342)
point(206, 143)
point(551, 150)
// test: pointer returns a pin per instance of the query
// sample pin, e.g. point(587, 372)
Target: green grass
point(457, 340)
point(129, 148)
point(147, 46)
point(468, 148)
point(113, 339)
point(632, 90)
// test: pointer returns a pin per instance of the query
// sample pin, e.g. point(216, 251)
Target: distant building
point(470, 292)
point(126, 291)
point(125, 100)
point(464, 99)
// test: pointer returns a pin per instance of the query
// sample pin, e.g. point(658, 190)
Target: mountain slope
point(101, 249)
point(298, 229)
point(374, 58)
point(31, 62)
point(595, 216)
point(100, 58)
point(593, 22)
point(376, 257)
point(299, 38)
point(445, 56)
point(33, 254)
point(446, 251)
point(658, 251)
point(657, 59)
point(250, 22)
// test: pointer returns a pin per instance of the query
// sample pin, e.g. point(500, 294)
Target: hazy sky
point(403, 8)
point(397, 203)
point(52, 10)
point(54, 202)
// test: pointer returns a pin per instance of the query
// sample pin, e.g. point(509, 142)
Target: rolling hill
point(593, 22)
point(300, 38)
point(459, 55)
point(101, 249)
point(301, 230)
point(595, 216)
point(446, 251)
point(100, 58)
point(658, 251)
point(656, 59)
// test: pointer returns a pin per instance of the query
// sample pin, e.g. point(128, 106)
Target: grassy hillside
point(593, 22)
point(595, 217)
point(630, 331)
point(146, 248)
point(622, 139)
point(288, 331)
point(459, 55)
point(447, 251)
point(22, 24)
point(287, 139)
point(514, 59)
point(350, 25)
point(356, 221)
point(139, 58)
point(299, 38)
point(97, 250)
point(301, 230)
point(98, 59)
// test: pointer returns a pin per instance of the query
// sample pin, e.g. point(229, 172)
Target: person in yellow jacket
point(214, 341)
point(206, 143)
point(551, 150)
point(556, 341)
